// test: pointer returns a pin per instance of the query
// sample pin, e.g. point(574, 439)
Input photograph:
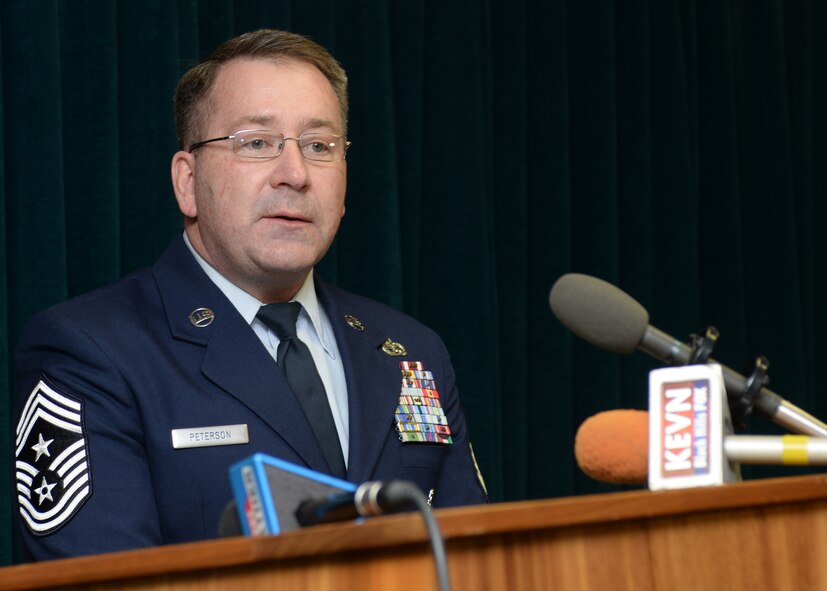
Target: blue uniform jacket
point(126, 366)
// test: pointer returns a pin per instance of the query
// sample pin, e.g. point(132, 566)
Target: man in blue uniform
point(134, 400)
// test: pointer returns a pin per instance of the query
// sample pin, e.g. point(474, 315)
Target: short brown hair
point(195, 86)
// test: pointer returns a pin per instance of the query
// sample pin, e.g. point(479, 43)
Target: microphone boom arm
point(607, 317)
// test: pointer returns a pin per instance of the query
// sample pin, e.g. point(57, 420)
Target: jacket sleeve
point(460, 481)
point(82, 477)
point(446, 472)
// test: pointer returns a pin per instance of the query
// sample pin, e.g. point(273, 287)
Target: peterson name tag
point(210, 436)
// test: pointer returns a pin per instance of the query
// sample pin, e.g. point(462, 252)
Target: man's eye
point(317, 147)
point(257, 145)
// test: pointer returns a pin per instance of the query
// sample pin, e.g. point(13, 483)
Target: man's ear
point(183, 182)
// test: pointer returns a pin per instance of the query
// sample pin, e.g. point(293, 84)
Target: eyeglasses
point(260, 144)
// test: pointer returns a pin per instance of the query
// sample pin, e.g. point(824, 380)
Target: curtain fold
point(674, 148)
point(88, 53)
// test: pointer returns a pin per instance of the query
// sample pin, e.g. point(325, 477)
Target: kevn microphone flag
point(688, 423)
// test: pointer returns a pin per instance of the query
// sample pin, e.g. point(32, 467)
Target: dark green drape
point(674, 148)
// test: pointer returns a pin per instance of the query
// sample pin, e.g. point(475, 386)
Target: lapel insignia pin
point(354, 322)
point(202, 317)
point(394, 349)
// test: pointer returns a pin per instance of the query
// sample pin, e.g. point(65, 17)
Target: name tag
point(210, 436)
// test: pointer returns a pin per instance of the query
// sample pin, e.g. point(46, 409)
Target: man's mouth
point(288, 217)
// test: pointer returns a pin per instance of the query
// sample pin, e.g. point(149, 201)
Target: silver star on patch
point(45, 491)
point(42, 447)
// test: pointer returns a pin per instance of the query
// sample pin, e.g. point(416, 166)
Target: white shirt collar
point(248, 305)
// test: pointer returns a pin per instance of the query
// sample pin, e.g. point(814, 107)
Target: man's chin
point(290, 256)
point(286, 266)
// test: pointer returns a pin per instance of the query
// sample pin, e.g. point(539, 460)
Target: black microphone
point(228, 523)
point(370, 498)
point(607, 317)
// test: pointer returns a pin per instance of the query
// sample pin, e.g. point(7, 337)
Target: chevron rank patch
point(53, 477)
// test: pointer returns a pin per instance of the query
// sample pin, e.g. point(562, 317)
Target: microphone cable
point(380, 498)
point(435, 537)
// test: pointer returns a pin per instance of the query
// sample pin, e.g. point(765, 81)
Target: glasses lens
point(258, 144)
point(322, 147)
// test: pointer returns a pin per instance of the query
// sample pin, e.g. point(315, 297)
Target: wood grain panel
point(769, 534)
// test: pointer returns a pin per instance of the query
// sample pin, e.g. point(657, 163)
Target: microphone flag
point(268, 491)
point(688, 422)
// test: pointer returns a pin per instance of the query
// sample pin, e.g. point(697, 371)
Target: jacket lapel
point(234, 358)
point(373, 385)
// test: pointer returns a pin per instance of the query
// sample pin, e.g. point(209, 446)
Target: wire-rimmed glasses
point(260, 144)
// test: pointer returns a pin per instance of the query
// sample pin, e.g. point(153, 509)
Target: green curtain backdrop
point(675, 148)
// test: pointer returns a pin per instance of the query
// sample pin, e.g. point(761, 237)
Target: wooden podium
point(764, 534)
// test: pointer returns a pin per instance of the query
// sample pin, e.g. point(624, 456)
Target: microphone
point(378, 498)
point(607, 317)
point(613, 446)
point(228, 522)
point(273, 496)
point(370, 498)
point(267, 491)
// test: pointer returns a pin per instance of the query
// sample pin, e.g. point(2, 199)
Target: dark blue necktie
point(296, 362)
